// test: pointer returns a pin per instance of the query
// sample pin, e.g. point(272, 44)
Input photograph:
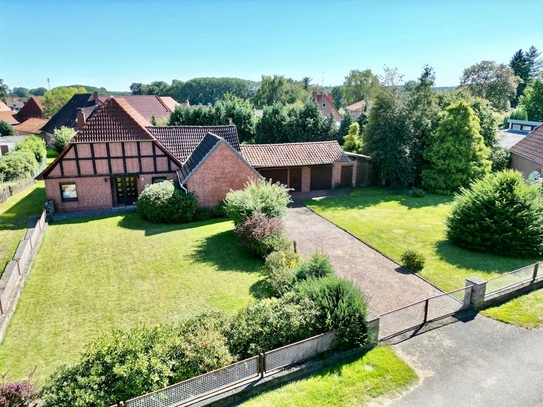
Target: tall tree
point(353, 142)
point(339, 98)
point(38, 91)
point(495, 82)
point(306, 80)
point(536, 63)
point(308, 124)
point(532, 100)
point(520, 64)
point(388, 138)
point(278, 89)
point(344, 126)
point(20, 92)
point(360, 85)
point(4, 91)
point(456, 152)
point(57, 97)
point(270, 129)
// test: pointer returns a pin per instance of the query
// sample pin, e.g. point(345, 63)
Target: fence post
point(534, 274)
point(478, 291)
point(426, 310)
point(373, 327)
point(262, 364)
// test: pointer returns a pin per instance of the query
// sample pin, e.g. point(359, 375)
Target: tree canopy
point(57, 97)
point(526, 65)
point(4, 91)
point(532, 100)
point(278, 89)
point(495, 82)
point(360, 85)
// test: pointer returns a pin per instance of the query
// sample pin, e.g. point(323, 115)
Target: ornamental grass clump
point(499, 214)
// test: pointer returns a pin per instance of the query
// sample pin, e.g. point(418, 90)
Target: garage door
point(276, 175)
point(321, 177)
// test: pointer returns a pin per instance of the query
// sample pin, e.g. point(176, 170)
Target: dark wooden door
point(346, 177)
point(296, 179)
point(126, 190)
point(276, 175)
point(321, 177)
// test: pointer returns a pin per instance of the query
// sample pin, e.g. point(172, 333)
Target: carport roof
point(293, 154)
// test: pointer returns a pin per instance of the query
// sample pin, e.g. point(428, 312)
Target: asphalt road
point(477, 363)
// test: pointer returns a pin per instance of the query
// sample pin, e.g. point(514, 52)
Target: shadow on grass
point(360, 198)
point(16, 215)
point(483, 262)
point(134, 221)
point(223, 251)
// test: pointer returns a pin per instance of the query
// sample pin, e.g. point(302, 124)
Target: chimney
point(80, 119)
point(96, 100)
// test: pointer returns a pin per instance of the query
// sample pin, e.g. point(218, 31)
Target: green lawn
point(94, 274)
point(356, 382)
point(525, 311)
point(392, 223)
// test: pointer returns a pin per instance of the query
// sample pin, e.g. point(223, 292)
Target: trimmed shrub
point(20, 394)
point(340, 306)
point(261, 235)
point(270, 324)
point(219, 211)
point(34, 144)
point(318, 266)
point(498, 214)
point(123, 365)
point(416, 193)
point(6, 129)
point(202, 214)
point(164, 203)
point(280, 270)
point(18, 164)
point(62, 137)
point(413, 260)
point(261, 197)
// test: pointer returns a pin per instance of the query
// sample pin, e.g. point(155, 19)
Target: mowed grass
point(392, 222)
point(525, 311)
point(92, 275)
point(356, 382)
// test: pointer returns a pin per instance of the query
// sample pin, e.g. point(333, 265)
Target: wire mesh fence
point(414, 315)
point(528, 273)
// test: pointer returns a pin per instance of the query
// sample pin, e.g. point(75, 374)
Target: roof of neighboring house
point(9, 117)
point(181, 141)
point(32, 108)
point(67, 115)
point(293, 154)
point(32, 125)
point(147, 105)
point(326, 105)
point(356, 106)
point(4, 107)
point(531, 146)
point(116, 120)
point(11, 139)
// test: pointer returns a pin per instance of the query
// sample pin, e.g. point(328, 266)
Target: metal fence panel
point(401, 320)
point(512, 278)
point(200, 385)
point(299, 351)
point(448, 303)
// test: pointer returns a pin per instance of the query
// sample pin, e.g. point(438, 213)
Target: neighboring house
point(303, 166)
point(7, 143)
point(325, 101)
point(32, 109)
point(7, 115)
point(356, 108)
point(15, 104)
point(522, 126)
point(30, 126)
point(527, 154)
point(117, 153)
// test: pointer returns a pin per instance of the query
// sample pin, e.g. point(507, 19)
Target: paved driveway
point(385, 283)
point(476, 363)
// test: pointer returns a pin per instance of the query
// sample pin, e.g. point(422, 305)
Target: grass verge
point(525, 311)
point(91, 275)
point(356, 382)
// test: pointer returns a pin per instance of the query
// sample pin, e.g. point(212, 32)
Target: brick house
point(527, 154)
point(303, 166)
point(117, 153)
point(325, 101)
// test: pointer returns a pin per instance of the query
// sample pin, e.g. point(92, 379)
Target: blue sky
point(114, 43)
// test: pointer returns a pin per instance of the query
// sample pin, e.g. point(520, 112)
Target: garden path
point(386, 284)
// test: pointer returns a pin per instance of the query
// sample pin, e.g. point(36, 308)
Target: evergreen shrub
point(413, 260)
point(163, 202)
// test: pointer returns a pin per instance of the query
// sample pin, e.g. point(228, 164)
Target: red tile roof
point(293, 154)
point(4, 107)
point(531, 146)
point(181, 141)
point(357, 105)
point(8, 116)
point(32, 108)
point(32, 125)
point(115, 120)
point(147, 105)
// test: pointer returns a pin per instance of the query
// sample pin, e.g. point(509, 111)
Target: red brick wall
point(306, 179)
point(222, 171)
point(92, 193)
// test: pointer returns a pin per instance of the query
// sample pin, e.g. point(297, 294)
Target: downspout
point(181, 185)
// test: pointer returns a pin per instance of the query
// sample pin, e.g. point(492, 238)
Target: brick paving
point(386, 285)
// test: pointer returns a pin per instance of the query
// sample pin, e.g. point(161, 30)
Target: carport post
point(478, 291)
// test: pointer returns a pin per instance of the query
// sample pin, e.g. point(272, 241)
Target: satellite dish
point(534, 176)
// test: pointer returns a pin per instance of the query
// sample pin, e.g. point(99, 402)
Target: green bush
point(271, 323)
point(18, 164)
point(340, 306)
point(6, 129)
point(202, 214)
point(123, 365)
point(219, 211)
point(413, 260)
point(318, 266)
point(416, 193)
point(20, 394)
point(499, 214)
point(280, 271)
point(164, 203)
point(62, 137)
point(261, 197)
point(261, 235)
point(34, 144)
